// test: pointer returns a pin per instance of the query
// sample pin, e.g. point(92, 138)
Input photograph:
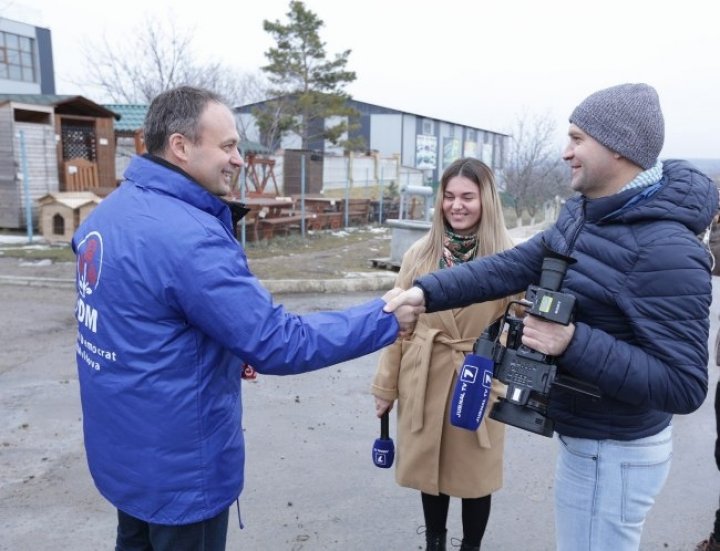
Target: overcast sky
point(473, 62)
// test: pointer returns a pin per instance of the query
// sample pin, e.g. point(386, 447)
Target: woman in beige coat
point(433, 456)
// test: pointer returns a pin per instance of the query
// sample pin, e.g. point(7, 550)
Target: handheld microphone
point(383, 452)
point(472, 392)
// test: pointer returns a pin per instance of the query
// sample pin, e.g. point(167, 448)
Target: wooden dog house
point(61, 213)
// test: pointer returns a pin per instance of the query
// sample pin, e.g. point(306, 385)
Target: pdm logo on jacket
point(89, 263)
point(89, 266)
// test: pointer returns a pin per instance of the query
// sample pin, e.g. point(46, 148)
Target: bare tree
point(535, 171)
point(237, 88)
point(157, 57)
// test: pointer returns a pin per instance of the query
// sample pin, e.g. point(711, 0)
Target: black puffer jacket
point(643, 288)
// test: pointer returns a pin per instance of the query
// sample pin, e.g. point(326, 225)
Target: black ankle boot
point(710, 544)
point(435, 541)
point(467, 547)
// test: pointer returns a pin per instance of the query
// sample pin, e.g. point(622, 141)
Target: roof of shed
point(63, 104)
point(71, 199)
point(132, 116)
point(249, 146)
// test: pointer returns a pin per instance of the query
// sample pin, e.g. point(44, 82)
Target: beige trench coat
point(432, 455)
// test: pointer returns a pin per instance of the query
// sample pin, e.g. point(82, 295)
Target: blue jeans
point(605, 488)
point(134, 534)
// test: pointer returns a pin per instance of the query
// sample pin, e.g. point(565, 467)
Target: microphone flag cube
point(383, 451)
point(472, 392)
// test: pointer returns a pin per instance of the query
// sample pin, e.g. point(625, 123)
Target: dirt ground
point(320, 255)
point(323, 255)
point(326, 255)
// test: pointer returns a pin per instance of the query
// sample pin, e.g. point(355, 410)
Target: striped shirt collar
point(645, 178)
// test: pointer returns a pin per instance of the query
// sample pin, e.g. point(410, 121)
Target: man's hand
point(392, 293)
point(414, 296)
point(405, 313)
point(545, 336)
point(381, 406)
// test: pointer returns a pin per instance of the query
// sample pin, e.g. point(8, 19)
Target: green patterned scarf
point(457, 248)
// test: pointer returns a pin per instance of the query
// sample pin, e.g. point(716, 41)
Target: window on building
point(38, 117)
point(78, 139)
point(428, 128)
point(17, 57)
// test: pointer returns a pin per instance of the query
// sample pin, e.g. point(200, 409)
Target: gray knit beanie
point(626, 119)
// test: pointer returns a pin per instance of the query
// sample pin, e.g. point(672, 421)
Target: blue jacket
point(643, 288)
point(167, 314)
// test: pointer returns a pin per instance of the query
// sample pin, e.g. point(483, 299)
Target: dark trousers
point(475, 515)
point(137, 535)
point(716, 526)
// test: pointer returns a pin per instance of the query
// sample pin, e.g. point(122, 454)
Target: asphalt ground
point(310, 481)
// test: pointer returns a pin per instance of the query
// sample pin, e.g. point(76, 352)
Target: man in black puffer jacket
point(642, 284)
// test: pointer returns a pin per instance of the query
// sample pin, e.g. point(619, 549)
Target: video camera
point(530, 374)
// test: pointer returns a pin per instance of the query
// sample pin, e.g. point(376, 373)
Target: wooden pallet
point(385, 264)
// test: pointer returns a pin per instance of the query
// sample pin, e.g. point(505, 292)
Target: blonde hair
point(492, 235)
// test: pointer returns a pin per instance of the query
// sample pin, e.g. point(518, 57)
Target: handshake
point(406, 305)
point(546, 337)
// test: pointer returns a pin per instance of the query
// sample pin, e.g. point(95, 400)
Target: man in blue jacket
point(168, 312)
point(642, 284)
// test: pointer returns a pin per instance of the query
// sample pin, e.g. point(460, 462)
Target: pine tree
point(307, 88)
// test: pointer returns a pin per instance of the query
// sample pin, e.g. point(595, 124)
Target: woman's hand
point(382, 406)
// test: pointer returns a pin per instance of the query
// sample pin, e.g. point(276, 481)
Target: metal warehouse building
point(422, 142)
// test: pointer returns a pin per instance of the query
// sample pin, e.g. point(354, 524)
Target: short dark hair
point(176, 111)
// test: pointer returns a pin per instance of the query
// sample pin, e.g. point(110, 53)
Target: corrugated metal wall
point(291, 182)
point(41, 165)
point(9, 197)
